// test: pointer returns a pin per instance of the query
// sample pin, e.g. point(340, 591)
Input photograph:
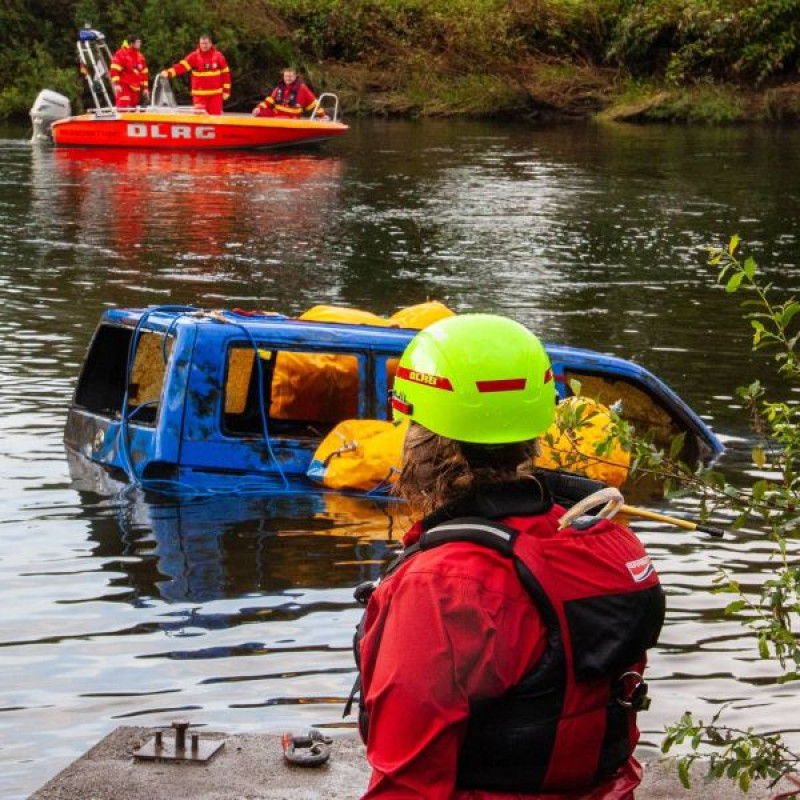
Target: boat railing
point(95, 60)
point(329, 97)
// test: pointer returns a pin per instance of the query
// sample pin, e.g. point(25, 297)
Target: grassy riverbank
point(713, 61)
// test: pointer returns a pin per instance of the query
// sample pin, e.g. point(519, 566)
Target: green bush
point(684, 40)
point(680, 42)
point(566, 28)
point(770, 610)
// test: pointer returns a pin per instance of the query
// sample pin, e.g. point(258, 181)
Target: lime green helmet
point(476, 378)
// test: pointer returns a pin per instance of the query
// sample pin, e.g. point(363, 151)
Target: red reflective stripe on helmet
point(508, 385)
point(435, 381)
point(548, 376)
point(403, 408)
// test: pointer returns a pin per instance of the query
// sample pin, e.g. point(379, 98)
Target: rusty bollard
point(180, 726)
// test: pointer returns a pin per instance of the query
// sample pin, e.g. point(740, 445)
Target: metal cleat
point(174, 749)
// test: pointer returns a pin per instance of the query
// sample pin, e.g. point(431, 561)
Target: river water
point(237, 612)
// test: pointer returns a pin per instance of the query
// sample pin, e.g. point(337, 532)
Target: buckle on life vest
point(311, 750)
point(630, 691)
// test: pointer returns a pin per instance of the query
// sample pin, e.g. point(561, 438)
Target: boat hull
point(189, 131)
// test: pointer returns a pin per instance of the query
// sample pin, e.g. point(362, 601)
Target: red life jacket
point(287, 95)
point(571, 721)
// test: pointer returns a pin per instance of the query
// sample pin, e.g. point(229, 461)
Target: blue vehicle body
point(185, 436)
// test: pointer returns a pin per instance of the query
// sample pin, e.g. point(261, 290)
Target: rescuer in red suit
point(129, 73)
point(500, 657)
point(289, 99)
point(211, 77)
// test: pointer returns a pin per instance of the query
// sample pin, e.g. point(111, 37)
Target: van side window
point(101, 387)
point(304, 393)
point(147, 375)
point(638, 407)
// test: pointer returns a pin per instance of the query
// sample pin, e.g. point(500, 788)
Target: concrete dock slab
point(251, 767)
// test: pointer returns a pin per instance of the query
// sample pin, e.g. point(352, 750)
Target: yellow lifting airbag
point(363, 454)
point(359, 454)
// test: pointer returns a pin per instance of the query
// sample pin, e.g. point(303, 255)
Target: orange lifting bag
point(359, 454)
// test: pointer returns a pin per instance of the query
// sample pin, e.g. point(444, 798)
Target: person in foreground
point(129, 74)
point(289, 99)
point(500, 657)
point(211, 77)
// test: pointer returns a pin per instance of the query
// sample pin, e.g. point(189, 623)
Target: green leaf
point(736, 605)
point(733, 244)
point(749, 267)
point(759, 487)
point(734, 282)
point(789, 312)
point(744, 781)
point(759, 459)
point(677, 445)
point(683, 774)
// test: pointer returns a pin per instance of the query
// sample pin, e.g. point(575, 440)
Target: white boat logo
point(141, 130)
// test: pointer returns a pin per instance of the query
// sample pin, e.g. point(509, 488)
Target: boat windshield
point(162, 95)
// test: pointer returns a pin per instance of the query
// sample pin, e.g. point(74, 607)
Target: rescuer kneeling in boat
point(500, 656)
point(211, 77)
point(129, 74)
point(289, 99)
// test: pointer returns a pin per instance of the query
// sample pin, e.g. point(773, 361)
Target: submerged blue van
point(217, 400)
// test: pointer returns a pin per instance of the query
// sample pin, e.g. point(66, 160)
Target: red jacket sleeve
point(225, 76)
point(433, 643)
point(184, 65)
point(305, 98)
point(117, 67)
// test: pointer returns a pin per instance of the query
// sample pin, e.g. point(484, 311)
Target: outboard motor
point(48, 107)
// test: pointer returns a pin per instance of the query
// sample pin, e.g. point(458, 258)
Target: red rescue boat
point(182, 129)
point(164, 124)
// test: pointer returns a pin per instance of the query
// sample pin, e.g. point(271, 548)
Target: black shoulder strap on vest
point(476, 530)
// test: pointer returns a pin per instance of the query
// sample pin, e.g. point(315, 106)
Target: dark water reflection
point(237, 611)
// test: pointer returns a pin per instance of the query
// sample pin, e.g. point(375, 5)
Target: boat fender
point(310, 750)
